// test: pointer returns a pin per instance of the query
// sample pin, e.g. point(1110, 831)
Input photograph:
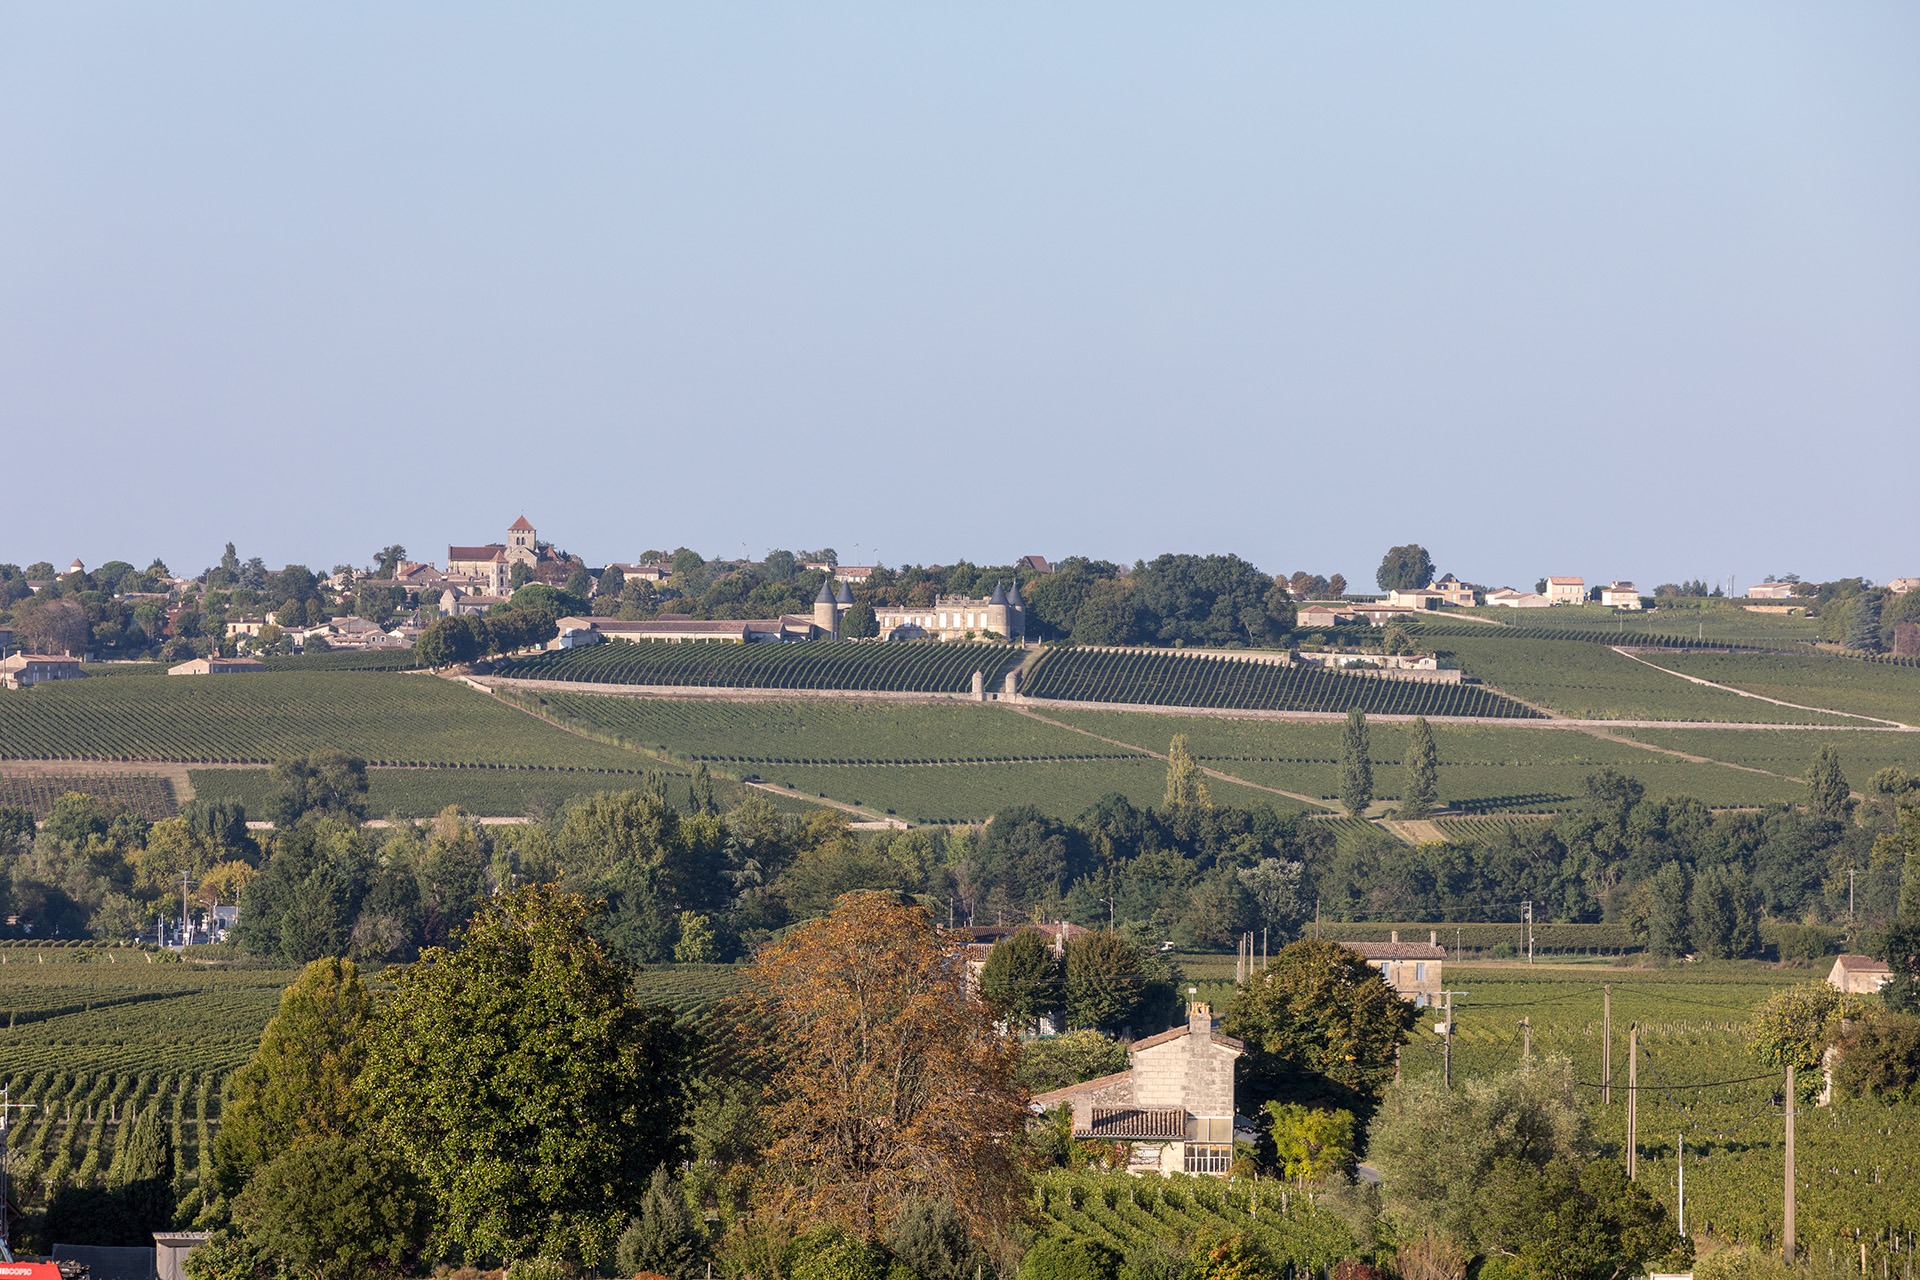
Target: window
point(1419, 973)
point(1207, 1157)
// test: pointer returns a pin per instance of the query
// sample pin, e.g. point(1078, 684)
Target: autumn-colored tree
point(890, 1084)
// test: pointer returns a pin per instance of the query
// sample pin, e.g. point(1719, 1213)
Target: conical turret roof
point(999, 593)
point(1013, 594)
point(845, 596)
point(826, 592)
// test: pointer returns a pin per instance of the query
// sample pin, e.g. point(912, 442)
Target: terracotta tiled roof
point(490, 552)
point(1058, 1096)
point(520, 526)
point(1397, 950)
point(1860, 964)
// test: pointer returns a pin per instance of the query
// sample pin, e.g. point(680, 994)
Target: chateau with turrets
point(955, 617)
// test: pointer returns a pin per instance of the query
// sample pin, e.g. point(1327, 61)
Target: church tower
point(522, 547)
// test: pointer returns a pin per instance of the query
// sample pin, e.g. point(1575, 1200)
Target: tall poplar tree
point(1185, 783)
point(1423, 772)
point(1827, 789)
point(1356, 781)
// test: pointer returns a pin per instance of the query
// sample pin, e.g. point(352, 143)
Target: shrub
point(1069, 1258)
point(834, 1255)
point(1880, 1058)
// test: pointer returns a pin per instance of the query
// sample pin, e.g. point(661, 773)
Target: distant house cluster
point(1569, 590)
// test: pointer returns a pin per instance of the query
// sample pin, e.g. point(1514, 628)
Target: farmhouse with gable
point(1173, 1105)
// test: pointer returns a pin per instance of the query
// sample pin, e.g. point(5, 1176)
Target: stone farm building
point(217, 667)
point(1410, 968)
point(1859, 975)
point(1173, 1105)
point(24, 670)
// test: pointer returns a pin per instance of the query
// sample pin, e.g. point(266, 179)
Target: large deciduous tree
point(1405, 568)
point(1021, 979)
point(524, 1086)
point(889, 1084)
point(334, 1209)
point(1321, 1027)
point(1436, 1147)
point(1106, 981)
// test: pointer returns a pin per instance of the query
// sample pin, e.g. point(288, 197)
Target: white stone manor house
point(958, 617)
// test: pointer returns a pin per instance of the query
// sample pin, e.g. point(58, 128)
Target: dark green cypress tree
point(1356, 781)
point(665, 1236)
point(142, 1171)
point(1423, 772)
point(1863, 627)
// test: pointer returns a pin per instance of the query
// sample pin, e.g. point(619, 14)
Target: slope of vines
point(1598, 635)
point(1175, 680)
point(884, 668)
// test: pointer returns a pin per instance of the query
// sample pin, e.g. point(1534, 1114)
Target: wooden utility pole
point(1446, 1060)
point(1787, 1249)
point(1526, 1039)
point(1606, 1045)
point(1633, 1100)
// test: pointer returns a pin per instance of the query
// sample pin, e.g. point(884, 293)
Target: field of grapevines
point(347, 660)
point(1881, 689)
point(95, 1036)
point(149, 796)
point(1489, 767)
point(888, 668)
point(1178, 680)
point(1591, 681)
point(1136, 1216)
point(1859, 1163)
point(1724, 624)
point(392, 719)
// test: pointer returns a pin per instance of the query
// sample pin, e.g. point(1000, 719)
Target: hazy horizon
point(1623, 291)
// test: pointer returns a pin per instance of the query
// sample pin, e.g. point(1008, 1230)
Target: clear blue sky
point(1613, 289)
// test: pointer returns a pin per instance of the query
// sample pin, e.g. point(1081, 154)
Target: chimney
point(1200, 1019)
point(1396, 935)
point(1433, 937)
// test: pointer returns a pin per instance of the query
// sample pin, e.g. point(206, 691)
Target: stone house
point(24, 670)
point(217, 667)
point(1859, 975)
point(1508, 598)
point(1620, 595)
point(1410, 968)
point(1770, 591)
point(1173, 1106)
point(1566, 590)
point(1319, 615)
